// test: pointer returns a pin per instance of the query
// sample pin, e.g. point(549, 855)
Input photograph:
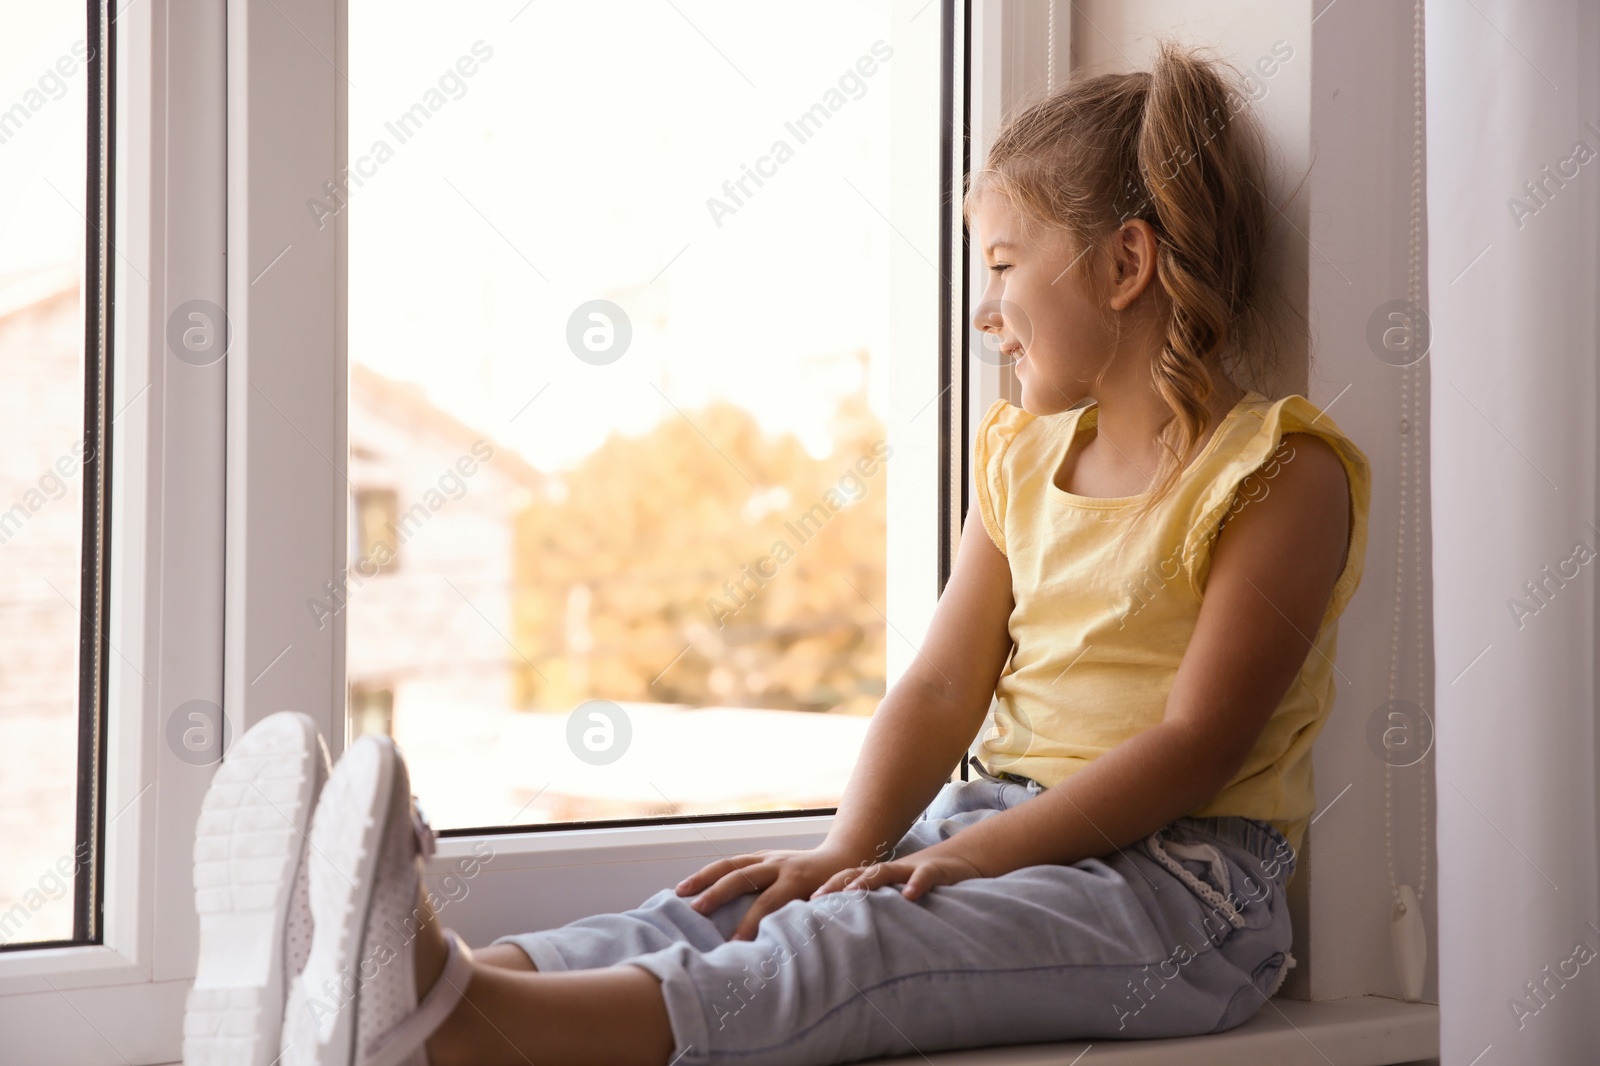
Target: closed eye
point(998, 267)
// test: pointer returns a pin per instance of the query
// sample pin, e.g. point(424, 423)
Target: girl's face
point(1036, 312)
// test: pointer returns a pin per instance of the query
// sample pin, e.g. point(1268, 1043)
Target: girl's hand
point(779, 876)
point(918, 872)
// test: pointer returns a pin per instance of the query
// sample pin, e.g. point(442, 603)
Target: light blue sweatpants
point(1185, 932)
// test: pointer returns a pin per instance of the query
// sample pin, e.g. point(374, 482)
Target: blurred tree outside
point(663, 571)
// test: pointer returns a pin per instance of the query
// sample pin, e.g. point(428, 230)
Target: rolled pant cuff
point(691, 1039)
point(545, 958)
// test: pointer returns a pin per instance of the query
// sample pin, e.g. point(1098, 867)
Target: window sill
point(1366, 1031)
point(1363, 1031)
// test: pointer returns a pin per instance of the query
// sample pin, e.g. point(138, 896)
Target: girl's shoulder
point(1262, 442)
point(1001, 423)
point(1004, 424)
point(1005, 436)
point(1258, 436)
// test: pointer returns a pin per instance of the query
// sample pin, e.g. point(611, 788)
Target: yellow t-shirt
point(1098, 637)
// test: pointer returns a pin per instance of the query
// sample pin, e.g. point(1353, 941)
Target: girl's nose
point(987, 317)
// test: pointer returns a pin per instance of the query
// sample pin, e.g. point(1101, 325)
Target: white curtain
point(1513, 91)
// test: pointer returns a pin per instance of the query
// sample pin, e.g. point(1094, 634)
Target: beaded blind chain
point(1410, 509)
point(1050, 47)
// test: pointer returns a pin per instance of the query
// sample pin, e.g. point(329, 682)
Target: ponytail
point(1200, 155)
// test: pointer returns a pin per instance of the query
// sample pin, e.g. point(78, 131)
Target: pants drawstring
point(1205, 853)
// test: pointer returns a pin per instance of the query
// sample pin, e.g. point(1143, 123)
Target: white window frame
point(121, 1000)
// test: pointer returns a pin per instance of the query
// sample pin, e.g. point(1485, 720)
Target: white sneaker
point(356, 1003)
point(251, 890)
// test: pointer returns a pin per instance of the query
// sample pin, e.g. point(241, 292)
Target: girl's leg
point(1119, 947)
point(504, 957)
point(603, 940)
point(570, 1013)
point(665, 919)
point(512, 1015)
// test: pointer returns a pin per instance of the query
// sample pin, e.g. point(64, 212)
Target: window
point(53, 518)
point(147, 197)
point(622, 332)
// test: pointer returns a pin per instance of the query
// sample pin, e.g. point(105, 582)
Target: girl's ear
point(1133, 262)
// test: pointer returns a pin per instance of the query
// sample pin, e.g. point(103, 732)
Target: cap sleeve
point(995, 432)
point(1247, 475)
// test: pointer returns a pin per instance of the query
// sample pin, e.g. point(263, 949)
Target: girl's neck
point(1129, 421)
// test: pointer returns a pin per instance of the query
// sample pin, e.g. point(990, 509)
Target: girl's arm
point(924, 725)
point(1272, 575)
point(921, 728)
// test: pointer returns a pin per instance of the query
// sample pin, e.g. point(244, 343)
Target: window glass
point(619, 309)
point(43, 107)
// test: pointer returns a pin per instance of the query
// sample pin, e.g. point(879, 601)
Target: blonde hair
point(1178, 147)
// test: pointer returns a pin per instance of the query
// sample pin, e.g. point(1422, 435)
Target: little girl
point(1144, 603)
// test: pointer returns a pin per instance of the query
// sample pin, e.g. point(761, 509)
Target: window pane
point(618, 321)
point(43, 104)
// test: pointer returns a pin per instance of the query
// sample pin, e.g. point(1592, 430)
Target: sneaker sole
point(346, 837)
point(249, 849)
